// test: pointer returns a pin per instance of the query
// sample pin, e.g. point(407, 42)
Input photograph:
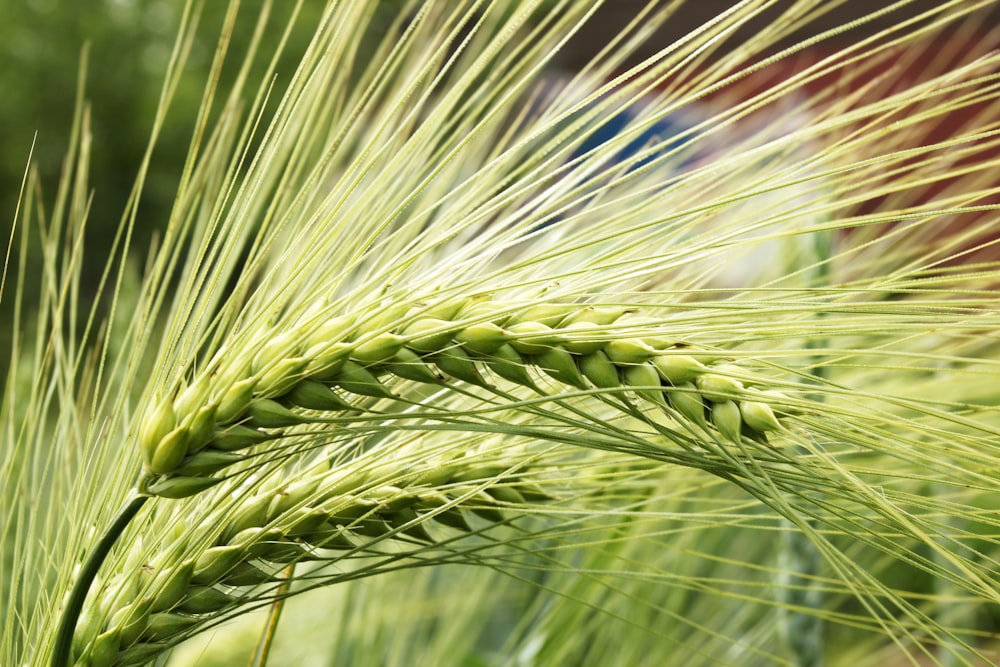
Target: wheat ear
point(331, 365)
point(325, 514)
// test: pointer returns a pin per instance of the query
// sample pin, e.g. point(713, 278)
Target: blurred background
point(129, 43)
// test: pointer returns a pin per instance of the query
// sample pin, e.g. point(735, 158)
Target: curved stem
point(67, 623)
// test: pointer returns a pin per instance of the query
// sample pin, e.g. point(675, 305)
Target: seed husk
point(628, 351)
point(411, 366)
point(140, 654)
point(505, 494)
point(582, 344)
point(245, 574)
point(238, 436)
point(687, 402)
point(386, 315)
point(181, 487)
point(326, 359)
point(498, 312)
point(678, 368)
point(416, 530)
point(314, 395)
point(201, 428)
point(170, 451)
point(104, 649)
point(378, 349)
point(204, 600)
point(644, 375)
point(278, 378)
point(207, 462)
point(598, 369)
point(559, 364)
point(130, 620)
point(169, 586)
point(428, 334)
point(726, 417)
point(484, 338)
point(549, 314)
point(277, 347)
point(250, 513)
point(305, 520)
point(508, 364)
point(759, 416)
point(165, 625)
point(235, 401)
point(265, 413)
point(153, 430)
point(598, 315)
point(215, 562)
point(456, 362)
point(357, 379)
point(717, 387)
point(533, 337)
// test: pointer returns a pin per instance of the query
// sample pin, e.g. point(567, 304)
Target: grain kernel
point(726, 417)
point(204, 600)
point(409, 365)
point(628, 351)
point(165, 625)
point(378, 349)
point(483, 338)
point(598, 369)
point(759, 416)
point(280, 377)
point(169, 584)
point(678, 368)
point(139, 654)
point(428, 334)
point(201, 428)
point(559, 364)
point(207, 462)
point(236, 437)
point(214, 562)
point(644, 375)
point(326, 359)
point(170, 451)
point(265, 413)
point(582, 343)
point(508, 364)
point(456, 362)
point(154, 429)
point(314, 395)
point(235, 401)
point(598, 315)
point(533, 337)
point(549, 314)
point(687, 402)
point(275, 348)
point(357, 379)
point(718, 387)
point(104, 650)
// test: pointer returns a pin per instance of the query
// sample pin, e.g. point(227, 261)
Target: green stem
point(273, 616)
point(67, 623)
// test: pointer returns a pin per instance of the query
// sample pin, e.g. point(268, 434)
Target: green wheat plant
point(686, 356)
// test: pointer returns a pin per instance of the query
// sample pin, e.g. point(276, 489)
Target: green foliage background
point(126, 45)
